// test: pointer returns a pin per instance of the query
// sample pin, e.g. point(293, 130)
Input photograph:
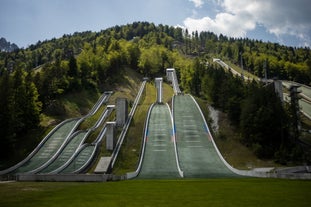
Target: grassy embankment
point(200, 192)
point(127, 87)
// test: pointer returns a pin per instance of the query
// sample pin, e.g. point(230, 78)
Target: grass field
point(202, 192)
point(197, 192)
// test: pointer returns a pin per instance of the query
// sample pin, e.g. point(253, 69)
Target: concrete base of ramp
point(103, 165)
point(68, 177)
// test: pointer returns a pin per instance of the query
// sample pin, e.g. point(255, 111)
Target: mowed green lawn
point(200, 192)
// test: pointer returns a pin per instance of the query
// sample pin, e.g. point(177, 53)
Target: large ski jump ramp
point(196, 152)
point(159, 160)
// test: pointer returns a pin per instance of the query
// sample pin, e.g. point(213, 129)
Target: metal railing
point(126, 126)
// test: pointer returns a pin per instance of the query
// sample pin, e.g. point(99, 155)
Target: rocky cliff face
point(6, 46)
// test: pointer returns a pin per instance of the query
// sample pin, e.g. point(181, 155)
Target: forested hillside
point(32, 80)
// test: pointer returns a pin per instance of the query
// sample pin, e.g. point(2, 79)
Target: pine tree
point(32, 105)
point(5, 93)
point(17, 104)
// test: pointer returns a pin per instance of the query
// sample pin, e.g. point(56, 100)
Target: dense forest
point(33, 79)
point(266, 124)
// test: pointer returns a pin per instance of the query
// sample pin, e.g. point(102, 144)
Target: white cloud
point(237, 17)
point(197, 3)
point(224, 23)
point(278, 16)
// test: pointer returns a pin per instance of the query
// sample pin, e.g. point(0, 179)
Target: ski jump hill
point(177, 143)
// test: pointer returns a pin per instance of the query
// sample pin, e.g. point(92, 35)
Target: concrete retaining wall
point(69, 177)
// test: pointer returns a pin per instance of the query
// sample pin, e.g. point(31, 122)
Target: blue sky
point(288, 22)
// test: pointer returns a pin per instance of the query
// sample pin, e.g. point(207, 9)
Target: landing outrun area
point(197, 155)
point(159, 158)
